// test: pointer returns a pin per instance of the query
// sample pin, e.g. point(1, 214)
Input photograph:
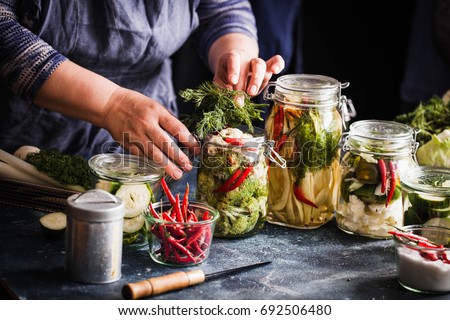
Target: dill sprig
point(431, 117)
point(220, 108)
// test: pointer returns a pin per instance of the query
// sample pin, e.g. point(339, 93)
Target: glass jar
point(232, 178)
point(306, 124)
point(423, 266)
point(426, 196)
point(376, 155)
point(194, 235)
point(133, 179)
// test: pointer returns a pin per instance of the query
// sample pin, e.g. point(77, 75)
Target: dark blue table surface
point(323, 264)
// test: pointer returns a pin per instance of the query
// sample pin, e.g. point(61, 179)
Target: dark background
point(360, 42)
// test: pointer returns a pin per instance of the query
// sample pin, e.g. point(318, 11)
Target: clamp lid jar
point(306, 123)
point(232, 178)
point(376, 154)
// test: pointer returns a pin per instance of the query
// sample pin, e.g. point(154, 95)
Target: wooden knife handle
point(154, 286)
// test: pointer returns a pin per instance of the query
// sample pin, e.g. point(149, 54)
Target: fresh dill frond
point(431, 117)
point(219, 108)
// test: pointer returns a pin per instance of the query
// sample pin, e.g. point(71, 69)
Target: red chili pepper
point(206, 240)
point(206, 216)
point(234, 141)
point(239, 180)
point(278, 122)
point(165, 246)
point(230, 181)
point(180, 259)
point(298, 192)
point(153, 211)
point(185, 204)
point(193, 237)
point(192, 217)
point(198, 251)
point(382, 166)
point(393, 182)
point(178, 246)
point(167, 191)
point(444, 257)
point(419, 240)
point(280, 142)
point(408, 235)
point(177, 209)
point(429, 255)
point(174, 230)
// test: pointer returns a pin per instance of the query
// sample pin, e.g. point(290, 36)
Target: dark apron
point(128, 42)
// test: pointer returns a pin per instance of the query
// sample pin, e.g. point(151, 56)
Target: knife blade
point(176, 281)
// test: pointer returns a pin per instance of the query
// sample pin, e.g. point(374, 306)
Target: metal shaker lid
point(95, 206)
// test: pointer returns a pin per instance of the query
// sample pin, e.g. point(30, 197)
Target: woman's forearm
point(76, 92)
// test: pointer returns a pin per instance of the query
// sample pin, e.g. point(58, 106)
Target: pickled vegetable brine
point(306, 124)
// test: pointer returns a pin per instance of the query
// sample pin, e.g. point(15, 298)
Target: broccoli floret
point(205, 183)
point(205, 187)
point(237, 223)
point(241, 210)
point(244, 195)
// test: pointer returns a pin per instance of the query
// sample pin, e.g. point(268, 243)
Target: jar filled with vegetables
point(306, 124)
point(133, 179)
point(426, 196)
point(376, 155)
point(232, 178)
point(232, 174)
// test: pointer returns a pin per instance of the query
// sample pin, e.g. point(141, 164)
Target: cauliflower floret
point(375, 218)
point(355, 205)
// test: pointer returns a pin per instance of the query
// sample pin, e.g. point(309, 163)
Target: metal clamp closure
point(274, 156)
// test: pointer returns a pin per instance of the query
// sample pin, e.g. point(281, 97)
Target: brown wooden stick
point(166, 283)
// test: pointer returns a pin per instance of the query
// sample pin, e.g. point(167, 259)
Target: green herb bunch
point(431, 117)
point(220, 108)
point(66, 169)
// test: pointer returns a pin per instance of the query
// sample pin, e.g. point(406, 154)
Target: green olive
point(367, 173)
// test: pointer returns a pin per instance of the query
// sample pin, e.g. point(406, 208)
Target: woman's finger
point(257, 75)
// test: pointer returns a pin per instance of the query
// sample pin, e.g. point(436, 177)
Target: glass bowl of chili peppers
point(423, 258)
point(180, 233)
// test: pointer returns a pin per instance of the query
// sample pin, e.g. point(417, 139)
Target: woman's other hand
point(236, 65)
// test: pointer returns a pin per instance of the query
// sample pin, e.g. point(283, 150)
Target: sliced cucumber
point(53, 224)
point(109, 186)
point(428, 206)
point(434, 200)
point(136, 198)
point(411, 217)
point(134, 224)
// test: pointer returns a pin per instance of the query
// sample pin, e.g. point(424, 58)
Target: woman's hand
point(141, 125)
point(144, 127)
point(239, 68)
